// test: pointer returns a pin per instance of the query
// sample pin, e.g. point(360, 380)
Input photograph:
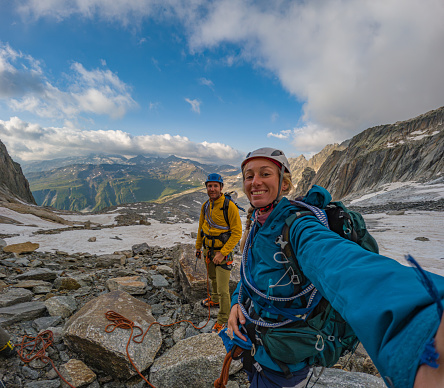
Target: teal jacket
point(384, 301)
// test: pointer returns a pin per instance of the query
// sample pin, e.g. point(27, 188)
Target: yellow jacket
point(217, 215)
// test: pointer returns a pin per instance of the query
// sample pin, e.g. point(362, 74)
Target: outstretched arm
point(383, 301)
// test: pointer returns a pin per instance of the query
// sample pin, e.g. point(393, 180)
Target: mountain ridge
point(410, 150)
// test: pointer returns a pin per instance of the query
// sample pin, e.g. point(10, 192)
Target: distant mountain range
point(95, 182)
point(412, 150)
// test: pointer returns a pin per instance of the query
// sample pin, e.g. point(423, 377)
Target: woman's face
point(261, 181)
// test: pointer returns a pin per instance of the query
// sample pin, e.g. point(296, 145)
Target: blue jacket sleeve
point(382, 300)
point(235, 296)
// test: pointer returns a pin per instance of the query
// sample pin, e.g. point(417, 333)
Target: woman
point(385, 304)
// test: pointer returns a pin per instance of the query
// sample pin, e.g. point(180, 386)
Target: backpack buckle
point(280, 241)
point(295, 279)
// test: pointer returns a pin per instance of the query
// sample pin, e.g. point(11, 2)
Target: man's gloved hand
point(198, 254)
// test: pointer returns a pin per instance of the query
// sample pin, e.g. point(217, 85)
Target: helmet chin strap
point(271, 205)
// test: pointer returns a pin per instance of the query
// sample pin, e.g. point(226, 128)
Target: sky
point(211, 80)
point(396, 234)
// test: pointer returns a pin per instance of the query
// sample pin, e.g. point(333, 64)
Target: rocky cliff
point(13, 184)
point(411, 150)
point(303, 169)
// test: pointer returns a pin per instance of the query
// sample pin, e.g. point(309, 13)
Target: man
point(218, 233)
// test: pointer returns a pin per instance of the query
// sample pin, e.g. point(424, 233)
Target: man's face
point(214, 190)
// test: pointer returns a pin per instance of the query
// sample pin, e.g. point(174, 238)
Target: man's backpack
point(230, 196)
point(324, 336)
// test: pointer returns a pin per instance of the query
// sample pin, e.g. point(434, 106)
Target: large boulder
point(192, 275)
point(85, 334)
point(193, 362)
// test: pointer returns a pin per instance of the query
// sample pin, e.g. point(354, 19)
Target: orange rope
point(124, 323)
point(36, 347)
point(222, 381)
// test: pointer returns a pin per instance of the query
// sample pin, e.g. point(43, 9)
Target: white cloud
point(281, 135)
point(24, 87)
point(354, 64)
point(195, 105)
point(207, 82)
point(310, 136)
point(28, 141)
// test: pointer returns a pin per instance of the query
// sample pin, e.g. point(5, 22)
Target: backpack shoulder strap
point(225, 207)
point(286, 244)
point(320, 215)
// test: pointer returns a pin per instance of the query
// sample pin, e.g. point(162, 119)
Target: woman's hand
point(236, 317)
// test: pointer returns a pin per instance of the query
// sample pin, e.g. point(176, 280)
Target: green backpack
point(324, 336)
point(350, 225)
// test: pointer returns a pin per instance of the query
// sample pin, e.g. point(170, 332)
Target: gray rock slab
point(42, 289)
point(62, 306)
point(133, 285)
point(337, 378)
point(165, 270)
point(32, 284)
point(159, 281)
point(140, 249)
point(44, 322)
point(21, 312)
point(15, 296)
point(108, 261)
point(85, 334)
point(193, 362)
point(38, 274)
point(43, 384)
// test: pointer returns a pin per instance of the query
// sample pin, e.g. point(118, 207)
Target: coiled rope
point(119, 321)
point(34, 348)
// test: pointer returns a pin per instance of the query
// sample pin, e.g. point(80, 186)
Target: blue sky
point(211, 80)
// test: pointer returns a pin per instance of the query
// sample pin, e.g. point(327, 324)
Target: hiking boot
point(207, 301)
point(218, 327)
point(7, 350)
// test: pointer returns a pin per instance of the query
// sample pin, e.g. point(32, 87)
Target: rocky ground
point(400, 206)
point(48, 291)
